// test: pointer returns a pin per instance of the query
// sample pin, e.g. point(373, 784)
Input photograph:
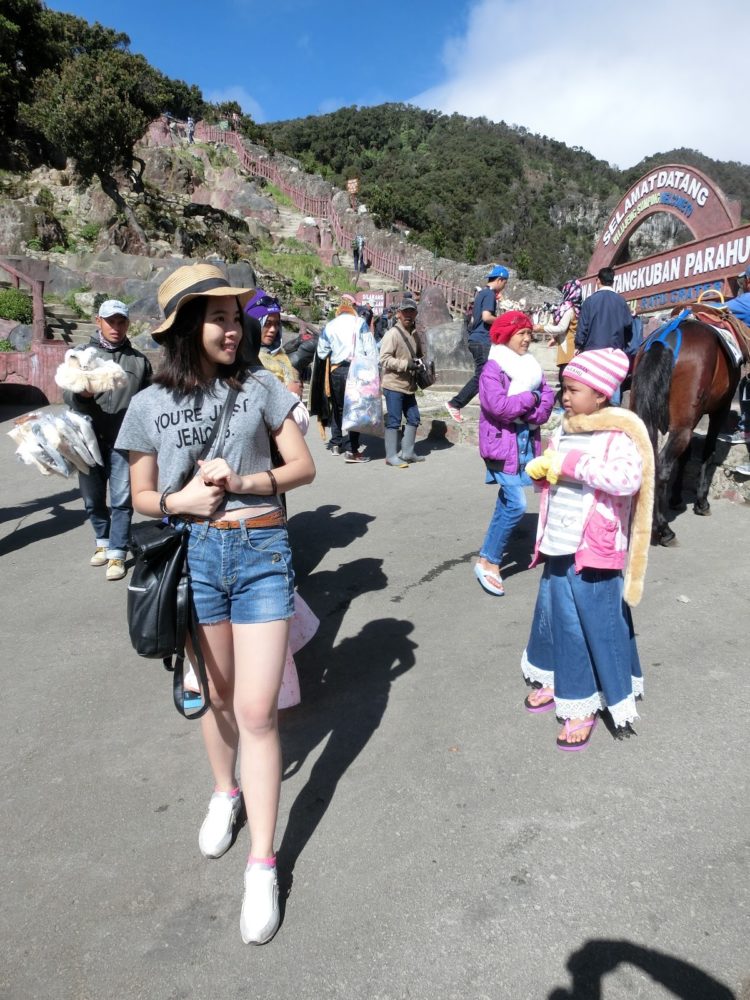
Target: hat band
point(207, 285)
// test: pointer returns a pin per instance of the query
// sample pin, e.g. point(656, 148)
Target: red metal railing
point(382, 261)
point(37, 297)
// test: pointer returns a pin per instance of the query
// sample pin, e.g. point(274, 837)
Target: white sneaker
point(99, 557)
point(260, 916)
point(115, 569)
point(216, 832)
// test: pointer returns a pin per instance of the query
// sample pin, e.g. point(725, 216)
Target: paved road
point(437, 844)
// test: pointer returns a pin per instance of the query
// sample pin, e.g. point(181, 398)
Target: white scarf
point(524, 370)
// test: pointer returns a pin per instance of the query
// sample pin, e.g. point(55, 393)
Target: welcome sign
point(718, 251)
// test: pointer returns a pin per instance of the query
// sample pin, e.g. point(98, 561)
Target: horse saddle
point(669, 335)
point(719, 322)
point(731, 330)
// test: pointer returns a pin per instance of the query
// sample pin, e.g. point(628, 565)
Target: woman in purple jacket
point(515, 399)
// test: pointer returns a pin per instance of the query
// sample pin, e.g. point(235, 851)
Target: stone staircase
point(289, 221)
point(64, 323)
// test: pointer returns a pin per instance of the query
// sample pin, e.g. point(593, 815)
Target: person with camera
point(400, 355)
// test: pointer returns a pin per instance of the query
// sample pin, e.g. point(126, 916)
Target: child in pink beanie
point(597, 486)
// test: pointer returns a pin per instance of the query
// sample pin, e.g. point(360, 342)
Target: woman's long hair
point(181, 369)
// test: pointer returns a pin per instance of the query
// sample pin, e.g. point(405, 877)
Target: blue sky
point(623, 81)
point(287, 58)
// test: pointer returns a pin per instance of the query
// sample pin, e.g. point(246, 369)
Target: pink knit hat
point(602, 370)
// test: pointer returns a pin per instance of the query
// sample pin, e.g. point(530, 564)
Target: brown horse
point(679, 376)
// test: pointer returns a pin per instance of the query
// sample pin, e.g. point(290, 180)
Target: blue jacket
point(741, 307)
point(605, 321)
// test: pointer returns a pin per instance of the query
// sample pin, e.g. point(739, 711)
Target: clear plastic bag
point(363, 404)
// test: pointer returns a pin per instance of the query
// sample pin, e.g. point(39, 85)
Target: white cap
point(112, 307)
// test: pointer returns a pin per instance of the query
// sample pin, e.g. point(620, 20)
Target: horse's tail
point(650, 391)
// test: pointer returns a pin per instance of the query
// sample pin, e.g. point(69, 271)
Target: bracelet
point(274, 484)
point(163, 502)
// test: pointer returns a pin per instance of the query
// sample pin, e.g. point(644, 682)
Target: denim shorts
point(242, 575)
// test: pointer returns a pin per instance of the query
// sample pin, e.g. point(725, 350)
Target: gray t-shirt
point(175, 429)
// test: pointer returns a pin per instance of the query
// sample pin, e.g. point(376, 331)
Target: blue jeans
point(480, 352)
point(111, 526)
point(242, 575)
point(509, 509)
point(582, 642)
point(398, 404)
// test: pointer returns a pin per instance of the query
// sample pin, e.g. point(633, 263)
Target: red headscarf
point(507, 324)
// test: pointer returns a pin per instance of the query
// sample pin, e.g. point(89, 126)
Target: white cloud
point(236, 93)
point(623, 81)
point(329, 105)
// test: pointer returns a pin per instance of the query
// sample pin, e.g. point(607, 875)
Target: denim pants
point(480, 352)
point(398, 404)
point(510, 507)
point(350, 441)
point(243, 575)
point(582, 642)
point(111, 524)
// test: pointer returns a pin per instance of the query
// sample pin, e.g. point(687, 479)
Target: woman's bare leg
point(259, 656)
point(218, 725)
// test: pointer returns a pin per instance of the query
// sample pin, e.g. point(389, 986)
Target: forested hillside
point(465, 188)
point(474, 190)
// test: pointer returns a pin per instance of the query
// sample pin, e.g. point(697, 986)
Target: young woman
point(514, 400)
point(594, 521)
point(238, 556)
point(562, 330)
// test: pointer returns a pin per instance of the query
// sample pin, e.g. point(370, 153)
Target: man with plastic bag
point(111, 523)
point(341, 338)
point(400, 351)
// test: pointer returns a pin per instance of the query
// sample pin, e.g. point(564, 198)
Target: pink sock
point(232, 793)
point(263, 862)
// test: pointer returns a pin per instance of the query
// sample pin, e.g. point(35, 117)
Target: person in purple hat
point(267, 310)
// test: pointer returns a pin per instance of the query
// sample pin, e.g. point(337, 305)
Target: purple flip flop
point(546, 706)
point(589, 724)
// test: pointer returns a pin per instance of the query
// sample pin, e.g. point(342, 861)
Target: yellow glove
point(537, 468)
point(547, 466)
point(554, 465)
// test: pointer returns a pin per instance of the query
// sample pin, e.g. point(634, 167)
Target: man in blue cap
point(740, 306)
point(482, 317)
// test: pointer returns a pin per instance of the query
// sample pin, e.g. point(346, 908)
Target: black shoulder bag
point(160, 614)
point(424, 373)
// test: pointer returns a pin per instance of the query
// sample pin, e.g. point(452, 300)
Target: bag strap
point(185, 619)
point(175, 663)
point(219, 429)
point(408, 345)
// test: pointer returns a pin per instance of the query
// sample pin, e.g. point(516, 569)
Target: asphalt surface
point(433, 841)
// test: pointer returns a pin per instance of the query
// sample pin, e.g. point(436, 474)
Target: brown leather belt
point(273, 520)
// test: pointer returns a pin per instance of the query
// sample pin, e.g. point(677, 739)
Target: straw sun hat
point(190, 282)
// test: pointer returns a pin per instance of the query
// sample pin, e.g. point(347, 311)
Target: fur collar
point(614, 418)
point(523, 370)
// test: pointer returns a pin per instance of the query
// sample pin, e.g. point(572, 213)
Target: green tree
point(34, 39)
point(523, 264)
point(94, 110)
